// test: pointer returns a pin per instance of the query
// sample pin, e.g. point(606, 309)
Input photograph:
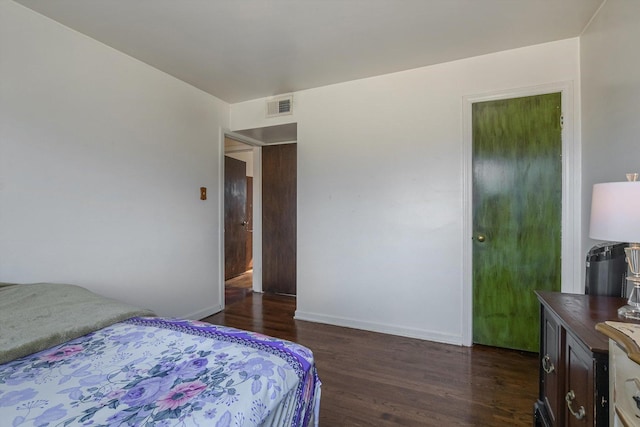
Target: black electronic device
point(606, 270)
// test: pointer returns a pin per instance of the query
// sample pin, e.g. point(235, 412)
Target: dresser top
point(580, 314)
point(627, 335)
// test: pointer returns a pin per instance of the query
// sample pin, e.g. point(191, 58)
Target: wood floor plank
point(370, 379)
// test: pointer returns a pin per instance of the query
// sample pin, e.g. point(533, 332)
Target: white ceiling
point(246, 49)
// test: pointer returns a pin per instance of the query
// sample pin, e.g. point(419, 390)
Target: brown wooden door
point(279, 197)
point(235, 229)
point(249, 213)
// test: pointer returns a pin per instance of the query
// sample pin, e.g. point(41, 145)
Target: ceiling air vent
point(280, 106)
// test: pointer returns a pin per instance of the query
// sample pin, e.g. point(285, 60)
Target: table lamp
point(615, 216)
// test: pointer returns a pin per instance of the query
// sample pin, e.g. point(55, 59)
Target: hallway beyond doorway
point(237, 288)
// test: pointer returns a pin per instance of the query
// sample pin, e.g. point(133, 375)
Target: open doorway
point(238, 219)
point(270, 260)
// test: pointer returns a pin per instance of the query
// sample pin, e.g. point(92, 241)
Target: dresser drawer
point(578, 389)
point(552, 370)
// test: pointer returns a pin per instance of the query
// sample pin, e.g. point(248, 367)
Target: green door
point(517, 198)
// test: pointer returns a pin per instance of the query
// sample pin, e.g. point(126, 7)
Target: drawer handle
point(547, 366)
point(569, 398)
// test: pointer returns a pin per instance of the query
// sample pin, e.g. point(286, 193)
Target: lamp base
point(629, 312)
point(632, 309)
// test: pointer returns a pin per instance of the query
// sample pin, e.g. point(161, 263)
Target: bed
point(70, 357)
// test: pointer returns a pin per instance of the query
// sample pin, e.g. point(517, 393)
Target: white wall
point(380, 188)
point(610, 61)
point(101, 160)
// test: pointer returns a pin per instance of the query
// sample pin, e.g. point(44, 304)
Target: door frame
point(257, 209)
point(571, 213)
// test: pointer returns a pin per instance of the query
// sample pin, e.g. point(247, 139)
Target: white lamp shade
point(615, 212)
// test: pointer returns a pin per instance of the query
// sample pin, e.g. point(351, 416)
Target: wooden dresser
point(574, 366)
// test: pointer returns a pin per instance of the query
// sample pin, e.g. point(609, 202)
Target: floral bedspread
point(162, 372)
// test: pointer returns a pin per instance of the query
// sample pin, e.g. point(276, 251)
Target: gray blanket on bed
point(37, 316)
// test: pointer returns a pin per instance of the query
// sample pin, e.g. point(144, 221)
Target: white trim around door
point(257, 208)
point(571, 212)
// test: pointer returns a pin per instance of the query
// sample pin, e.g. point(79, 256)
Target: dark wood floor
point(244, 280)
point(237, 288)
point(370, 379)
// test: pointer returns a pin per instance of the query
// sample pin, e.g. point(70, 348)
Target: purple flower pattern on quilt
point(157, 372)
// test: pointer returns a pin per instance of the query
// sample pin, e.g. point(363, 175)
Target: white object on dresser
point(624, 388)
point(624, 372)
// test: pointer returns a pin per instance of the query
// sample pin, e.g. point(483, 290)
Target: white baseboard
point(201, 314)
point(422, 334)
